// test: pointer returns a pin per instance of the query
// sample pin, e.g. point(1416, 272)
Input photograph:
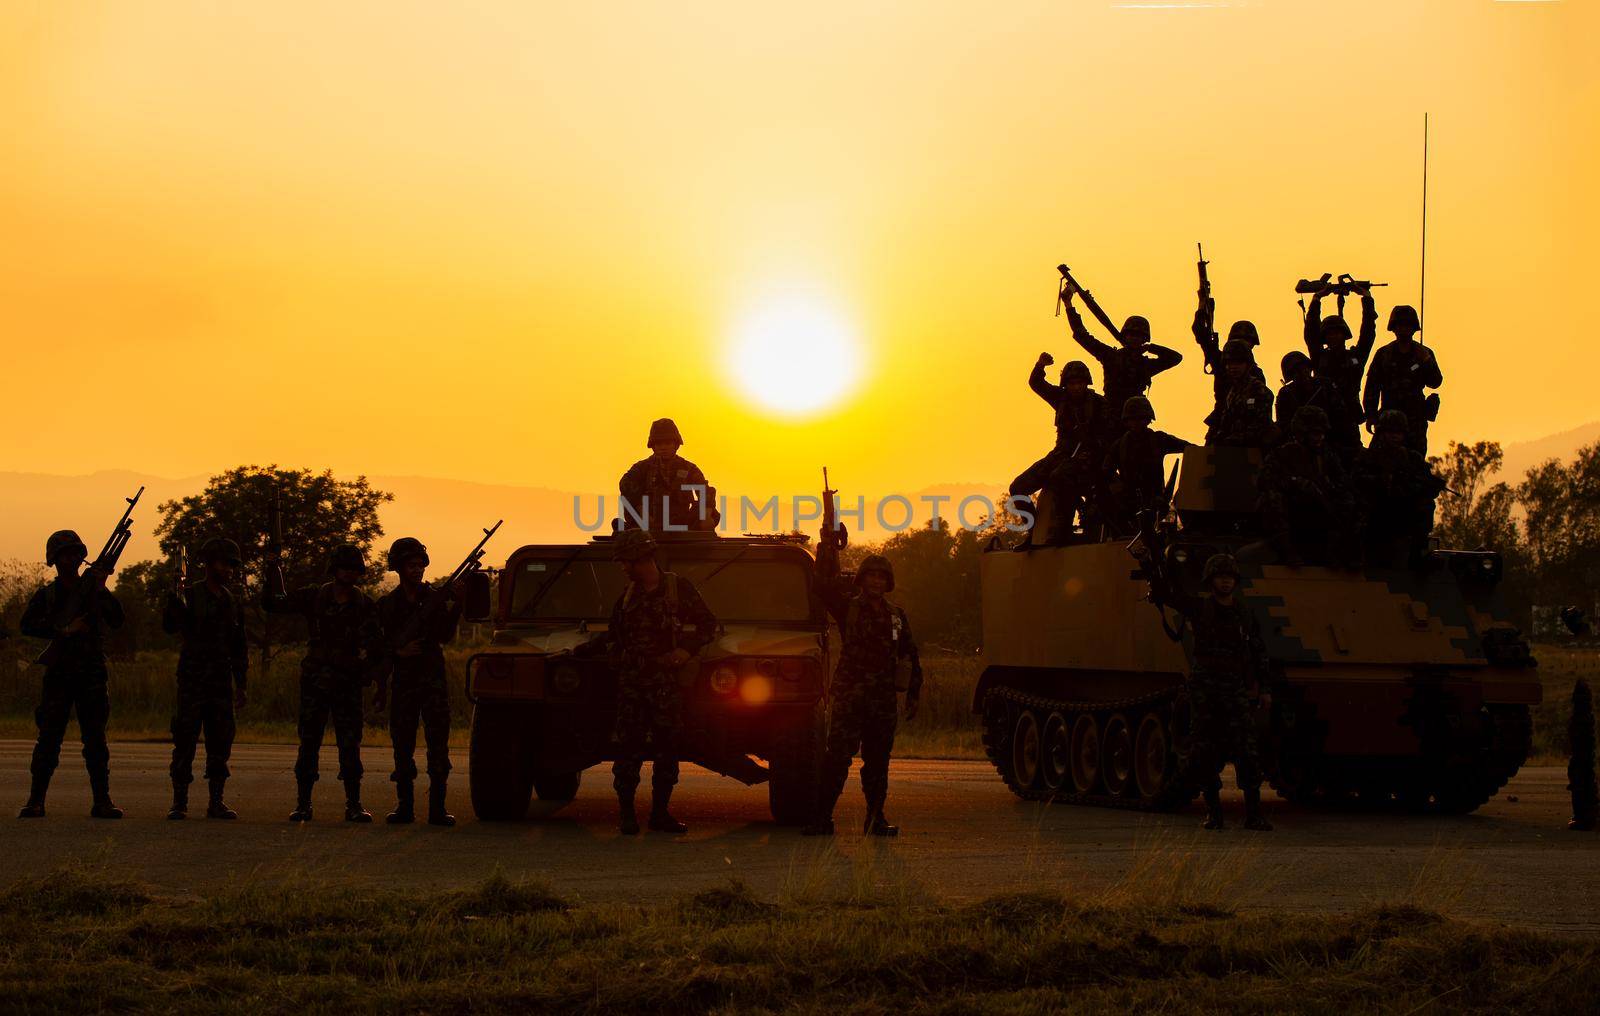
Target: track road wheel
point(1153, 764)
point(1056, 757)
point(1116, 754)
point(1085, 753)
point(499, 774)
point(1026, 741)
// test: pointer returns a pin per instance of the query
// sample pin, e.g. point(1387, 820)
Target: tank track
point(997, 737)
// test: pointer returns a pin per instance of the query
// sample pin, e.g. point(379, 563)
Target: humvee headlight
point(724, 679)
point(756, 690)
point(565, 680)
point(1180, 556)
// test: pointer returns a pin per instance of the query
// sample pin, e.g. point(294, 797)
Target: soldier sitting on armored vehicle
point(1300, 388)
point(1068, 471)
point(1229, 661)
point(1130, 367)
point(1398, 490)
point(1401, 370)
point(1132, 470)
point(1333, 360)
point(1243, 414)
point(658, 624)
point(665, 491)
point(1305, 498)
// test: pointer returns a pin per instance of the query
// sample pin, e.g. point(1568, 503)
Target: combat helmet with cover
point(1404, 318)
point(1309, 419)
point(1076, 370)
point(63, 543)
point(221, 548)
point(1238, 351)
point(347, 556)
point(1138, 408)
point(1391, 419)
point(1219, 564)
point(633, 544)
point(1244, 331)
point(403, 548)
point(664, 431)
point(875, 563)
point(1135, 330)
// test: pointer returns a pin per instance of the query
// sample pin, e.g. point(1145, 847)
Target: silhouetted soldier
point(1068, 472)
point(658, 625)
point(1134, 480)
point(1401, 372)
point(1300, 388)
point(877, 661)
point(1334, 361)
point(75, 679)
point(416, 680)
point(1128, 368)
point(666, 490)
point(1215, 361)
point(343, 628)
point(1229, 662)
point(1398, 490)
point(1305, 498)
point(212, 666)
point(1243, 417)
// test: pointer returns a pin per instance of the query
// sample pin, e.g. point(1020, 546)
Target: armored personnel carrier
point(1405, 685)
point(541, 716)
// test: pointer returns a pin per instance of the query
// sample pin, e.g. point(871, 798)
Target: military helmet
point(1296, 360)
point(347, 555)
point(1404, 318)
point(1219, 564)
point(221, 548)
point(1238, 351)
point(1244, 331)
point(63, 543)
point(633, 544)
point(404, 548)
point(1334, 329)
point(1137, 327)
point(875, 563)
point(1076, 370)
point(1392, 419)
point(664, 431)
point(1138, 408)
point(1308, 419)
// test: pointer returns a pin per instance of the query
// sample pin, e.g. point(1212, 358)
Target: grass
point(81, 940)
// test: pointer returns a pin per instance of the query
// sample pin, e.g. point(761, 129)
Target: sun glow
point(794, 355)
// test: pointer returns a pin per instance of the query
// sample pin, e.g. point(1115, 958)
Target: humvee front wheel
point(499, 774)
point(556, 786)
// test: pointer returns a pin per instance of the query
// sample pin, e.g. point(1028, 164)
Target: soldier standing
point(1300, 388)
point(75, 678)
point(665, 489)
point(1133, 466)
point(1229, 658)
point(1327, 340)
point(877, 661)
point(1130, 368)
point(657, 626)
point(1068, 472)
point(1398, 490)
point(343, 629)
point(1305, 498)
point(1243, 417)
point(1401, 371)
point(416, 669)
point(1215, 361)
point(211, 675)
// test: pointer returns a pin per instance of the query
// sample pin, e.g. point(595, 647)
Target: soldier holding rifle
point(1333, 359)
point(1129, 366)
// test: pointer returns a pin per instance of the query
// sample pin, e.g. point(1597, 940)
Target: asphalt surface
point(964, 836)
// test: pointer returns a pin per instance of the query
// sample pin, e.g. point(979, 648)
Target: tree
point(1562, 501)
point(1476, 512)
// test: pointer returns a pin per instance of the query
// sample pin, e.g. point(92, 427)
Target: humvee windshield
point(764, 584)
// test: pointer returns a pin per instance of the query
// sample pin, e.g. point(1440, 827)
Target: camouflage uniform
point(1134, 479)
point(1305, 498)
point(213, 661)
point(654, 489)
point(1341, 366)
point(1068, 472)
point(1302, 388)
point(1400, 372)
point(74, 681)
point(418, 687)
point(1398, 489)
point(1212, 352)
point(1243, 414)
point(863, 704)
point(1129, 368)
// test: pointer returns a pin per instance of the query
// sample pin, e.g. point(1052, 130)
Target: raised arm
point(1080, 334)
point(1313, 329)
point(1210, 348)
point(1369, 327)
point(1160, 358)
point(1042, 388)
point(829, 584)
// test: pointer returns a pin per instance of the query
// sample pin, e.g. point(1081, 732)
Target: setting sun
point(794, 355)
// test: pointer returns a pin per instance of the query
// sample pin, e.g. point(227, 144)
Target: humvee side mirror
point(479, 605)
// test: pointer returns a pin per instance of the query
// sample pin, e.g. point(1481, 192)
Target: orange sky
point(493, 240)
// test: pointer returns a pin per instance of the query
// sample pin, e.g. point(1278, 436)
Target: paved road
point(965, 836)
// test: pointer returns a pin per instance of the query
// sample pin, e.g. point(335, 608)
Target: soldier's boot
point(353, 812)
point(302, 806)
point(661, 820)
point(1213, 810)
point(180, 802)
point(217, 808)
point(405, 804)
point(103, 808)
point(436, 794)
point(876, 824)
point(1253, 819)
point(35, 806)
point(627, 820)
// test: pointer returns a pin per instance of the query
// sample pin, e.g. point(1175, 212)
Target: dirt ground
point(964, 836)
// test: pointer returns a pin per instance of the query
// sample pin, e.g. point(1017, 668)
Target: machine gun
point(80, 597)
point(1070, 285)
point(1342, 287)
point(439, 594)
point(1149, 549)
point(1208, 309)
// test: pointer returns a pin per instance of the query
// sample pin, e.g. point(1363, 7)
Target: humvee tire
point(499, 776)
point(794, 767)
point(556, 786)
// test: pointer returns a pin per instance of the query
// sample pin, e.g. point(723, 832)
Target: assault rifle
point(80, 597)
point(1208, 307)
point(833, 533)
point(1343, 286)
point(180, 572)
point(1149, 549)
point(1070, 285)
point(272, 575)
point(439, 594)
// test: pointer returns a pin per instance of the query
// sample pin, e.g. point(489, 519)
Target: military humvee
point(540, 716)
point(1405, 685)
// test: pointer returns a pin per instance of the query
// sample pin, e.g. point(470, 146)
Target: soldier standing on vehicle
point(877, 661)
point(1401, 371)
point(1068, 472)
point(1229, 662)
point(1130, 367)
point(343, 628)
point(1305, 496)
point(658, 625)
point(1398, 490)
point(1327, 340)
point(1133, 480)
point(416, 674)
point(1243, 417)
point(666, 490)
point(211, 675)
point(1214, 355)
point(75, 677)
point(1300, 388)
